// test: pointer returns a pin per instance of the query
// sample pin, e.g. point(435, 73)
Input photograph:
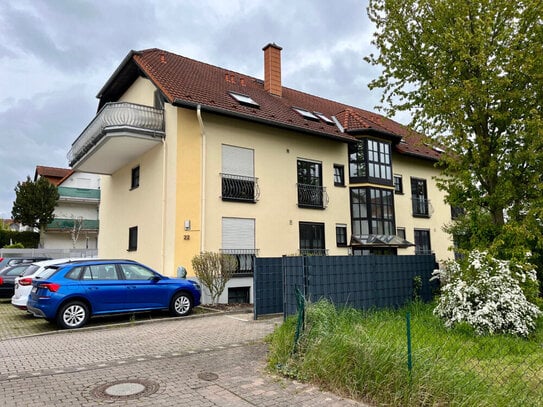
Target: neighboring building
point(76, 214)
point(199, 158)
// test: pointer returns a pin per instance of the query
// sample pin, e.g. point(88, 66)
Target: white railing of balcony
point(117, 114)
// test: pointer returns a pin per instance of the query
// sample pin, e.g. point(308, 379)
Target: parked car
point(23, 283)
point(7, 278)
point(69, 294)
point(12, 261)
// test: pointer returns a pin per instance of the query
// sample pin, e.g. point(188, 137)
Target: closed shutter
point(238, 234)
point(237, 161)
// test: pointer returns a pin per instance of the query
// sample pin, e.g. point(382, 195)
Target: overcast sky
point(55, 55)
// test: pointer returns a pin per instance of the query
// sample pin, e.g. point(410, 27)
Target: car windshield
point(30, 270)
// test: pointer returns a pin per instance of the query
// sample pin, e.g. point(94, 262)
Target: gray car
point(8, 276)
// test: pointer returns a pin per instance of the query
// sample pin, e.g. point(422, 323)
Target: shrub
point(486, 293)
point(214, 270)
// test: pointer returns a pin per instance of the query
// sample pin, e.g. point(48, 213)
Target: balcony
point(239, 188)
point(312, 196)
point(118, 134)
point(79, 194)
point(62, 224)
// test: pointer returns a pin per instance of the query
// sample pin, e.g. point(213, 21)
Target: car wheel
point(181, 305)
point(72, 315)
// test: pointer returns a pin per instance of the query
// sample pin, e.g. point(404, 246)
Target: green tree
point(34, 202)
point(470, 72)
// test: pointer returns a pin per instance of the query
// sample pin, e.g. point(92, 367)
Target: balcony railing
point(313, 252)
point(312, 196)
point(68, 224)
point(239, 188)
point(118, 115)
point(67, 193)
point(245, 260)
point(421, 207)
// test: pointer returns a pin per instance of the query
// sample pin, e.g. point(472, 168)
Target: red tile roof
point(53, 174)
point(186, 82)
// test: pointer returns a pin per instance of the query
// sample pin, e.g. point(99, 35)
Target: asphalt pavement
point(201, 360)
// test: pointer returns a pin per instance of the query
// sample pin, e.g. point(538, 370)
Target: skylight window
point(306, 114)
point(324, 118)
point(244, 99)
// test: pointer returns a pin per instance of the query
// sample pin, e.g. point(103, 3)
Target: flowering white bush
point(486, 293)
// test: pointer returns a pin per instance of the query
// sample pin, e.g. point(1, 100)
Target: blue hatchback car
point(69, 294)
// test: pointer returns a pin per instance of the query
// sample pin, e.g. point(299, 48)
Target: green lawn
point(363, 355)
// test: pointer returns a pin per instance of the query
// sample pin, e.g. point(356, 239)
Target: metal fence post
point(409, 354)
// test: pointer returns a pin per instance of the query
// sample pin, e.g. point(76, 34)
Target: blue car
point(69, 294)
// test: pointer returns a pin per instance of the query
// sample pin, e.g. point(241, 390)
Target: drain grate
point(208, 376)
point(125, 389)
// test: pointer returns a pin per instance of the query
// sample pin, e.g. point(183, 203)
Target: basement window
point(306, 114)
point(244, 99)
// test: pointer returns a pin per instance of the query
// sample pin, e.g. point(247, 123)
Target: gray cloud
point(57, 54)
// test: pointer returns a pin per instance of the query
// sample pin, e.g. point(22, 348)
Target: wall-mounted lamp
point(187, 224)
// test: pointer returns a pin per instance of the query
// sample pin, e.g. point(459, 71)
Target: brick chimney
point(272, 69)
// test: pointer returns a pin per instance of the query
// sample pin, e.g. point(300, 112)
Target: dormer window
point(306, 114)
point(244, 99)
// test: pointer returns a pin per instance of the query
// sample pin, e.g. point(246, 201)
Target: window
point(99, 272)
point(369, 160)
point(239, 295)
point(324, 118)
point(357, 161)
point(238, 240)
point(238, 181)
point(133, 239)
point(306, 114)
point(136, 272)
point(244, 99)
point(400, 232)
point(339, 175)
point(312, 239)
point(135, 180)
point(422, 241)
point(372, 211)
point(456, 212)
point(379, 165)
point(341, 235)
point(398, 184)
point(311, 194)
point(419, 197)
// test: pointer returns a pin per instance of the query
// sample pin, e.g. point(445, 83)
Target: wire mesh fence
point(425, 364)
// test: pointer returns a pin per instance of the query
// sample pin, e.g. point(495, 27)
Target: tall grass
point(363, 355)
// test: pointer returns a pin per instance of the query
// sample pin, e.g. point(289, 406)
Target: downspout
point(203, 175)
point(164, 209)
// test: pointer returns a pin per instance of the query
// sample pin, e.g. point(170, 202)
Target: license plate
point(34, 289)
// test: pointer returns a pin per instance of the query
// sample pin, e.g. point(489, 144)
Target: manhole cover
point(208, 376)
point(125, 389)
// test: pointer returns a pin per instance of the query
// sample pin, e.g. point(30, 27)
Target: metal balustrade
point(312, 196)
point(239, 188)
point(118, 115)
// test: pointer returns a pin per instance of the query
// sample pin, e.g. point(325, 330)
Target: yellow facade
point(440, 212)
point(178, 209)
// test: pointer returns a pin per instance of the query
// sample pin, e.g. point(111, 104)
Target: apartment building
point(195, 158)
point(76, 214)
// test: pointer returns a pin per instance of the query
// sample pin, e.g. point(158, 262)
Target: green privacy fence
point(361, 282)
